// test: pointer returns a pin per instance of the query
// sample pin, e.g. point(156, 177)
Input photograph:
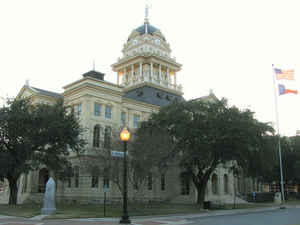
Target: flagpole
point(279, 144)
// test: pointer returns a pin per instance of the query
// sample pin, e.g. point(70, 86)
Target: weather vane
point(146, 12)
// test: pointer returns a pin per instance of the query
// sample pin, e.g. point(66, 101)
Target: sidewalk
point(146, 220)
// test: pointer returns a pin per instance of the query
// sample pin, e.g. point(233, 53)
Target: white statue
point(49, 198)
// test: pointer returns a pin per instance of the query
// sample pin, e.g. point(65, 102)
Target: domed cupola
point(147, 60)
point(146, 28)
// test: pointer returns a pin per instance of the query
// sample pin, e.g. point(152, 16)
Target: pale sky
point(228, 46)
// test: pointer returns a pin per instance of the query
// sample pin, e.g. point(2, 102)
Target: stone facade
point(146, 80)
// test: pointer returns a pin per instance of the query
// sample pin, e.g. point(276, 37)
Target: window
point(76, 176)
point(136, 121)
point(106, 178)
point(108, 112)
point(95, 177)
point(69, 182)
point(150, 181)
point(79, 109)
point(96, 137)
point(185, 183)
point(214, 184)
point(107, 137)
point(73, 110)
point(135, 181)
point(97, 109)
point(123, 118)
point(163, 182)
point(25, 180)
point(226, 189)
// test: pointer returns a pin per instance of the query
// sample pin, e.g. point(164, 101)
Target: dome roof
point(142, 29)
point(147, 28)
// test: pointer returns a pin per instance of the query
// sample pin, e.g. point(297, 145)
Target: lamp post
point(125, 136)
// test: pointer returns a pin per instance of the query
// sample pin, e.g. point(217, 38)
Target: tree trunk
point(201, 194)
point(13, 191)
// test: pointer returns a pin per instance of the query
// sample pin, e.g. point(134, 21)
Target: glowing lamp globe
point(125, 134)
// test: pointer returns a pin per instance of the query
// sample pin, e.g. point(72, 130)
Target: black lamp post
point(125, 136)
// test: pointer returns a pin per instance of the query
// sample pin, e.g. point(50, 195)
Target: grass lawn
point(91, 211)
point(27, 210)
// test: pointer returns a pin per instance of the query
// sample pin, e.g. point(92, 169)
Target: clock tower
point(147, 61)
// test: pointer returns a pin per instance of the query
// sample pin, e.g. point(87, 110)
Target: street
point(277, 217)
point(290, 216)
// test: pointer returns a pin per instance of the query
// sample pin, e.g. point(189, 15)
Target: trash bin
point(277, 198)
point(206, 205)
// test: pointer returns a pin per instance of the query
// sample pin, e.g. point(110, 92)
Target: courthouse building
point(146, 80)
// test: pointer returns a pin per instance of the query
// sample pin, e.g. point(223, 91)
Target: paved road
point(269, 216)
point(276, 217)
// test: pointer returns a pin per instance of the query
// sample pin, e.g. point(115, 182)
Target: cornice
point(126, 89)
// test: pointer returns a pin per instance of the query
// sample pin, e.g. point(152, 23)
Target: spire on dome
point(146, 18)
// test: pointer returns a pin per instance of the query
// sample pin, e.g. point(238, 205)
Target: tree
point(35, 135)
point(204, 134)
point(99, 158)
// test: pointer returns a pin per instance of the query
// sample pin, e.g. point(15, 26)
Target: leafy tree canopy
point(201, 135)
point(35, 135)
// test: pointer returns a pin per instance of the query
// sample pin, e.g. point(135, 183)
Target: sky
point(225, 46)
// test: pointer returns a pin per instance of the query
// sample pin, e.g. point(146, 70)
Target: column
point(175, 79)
point(141, 71)
point(124, 76)
point(168, 76)
point(118, 77)
point(151, 71)
point(132, 71)
point(160, 78)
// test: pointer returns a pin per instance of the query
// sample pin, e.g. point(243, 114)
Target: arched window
point(95, 177)
point(226, 189)
point(107, 137)
point(96, 136)
point(43, 178)
point(214, 184)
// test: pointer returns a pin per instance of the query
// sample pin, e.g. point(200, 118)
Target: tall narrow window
point(135, 181)
point(163, 182)
point(96, 137)
point(97, 109)
point(150, 181)
point(136, 120)
point(107, 137)
point(108, 112)
point(69, 182)
point(79, 109)
point(73, 110)
point(123, 118)
point(185, 183)
point(25, 179)
point(95, 177)
point(214, 184)
point(106, 178)
point(226, 189)
point(76, 176)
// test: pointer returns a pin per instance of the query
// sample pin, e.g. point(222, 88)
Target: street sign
point(117, 154)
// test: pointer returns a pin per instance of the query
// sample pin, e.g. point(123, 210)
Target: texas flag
point(283, 90)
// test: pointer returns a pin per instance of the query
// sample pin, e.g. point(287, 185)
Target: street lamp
point(125, 136)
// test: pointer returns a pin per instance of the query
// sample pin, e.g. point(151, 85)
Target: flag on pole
point(283, 90)
point(284, 74)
